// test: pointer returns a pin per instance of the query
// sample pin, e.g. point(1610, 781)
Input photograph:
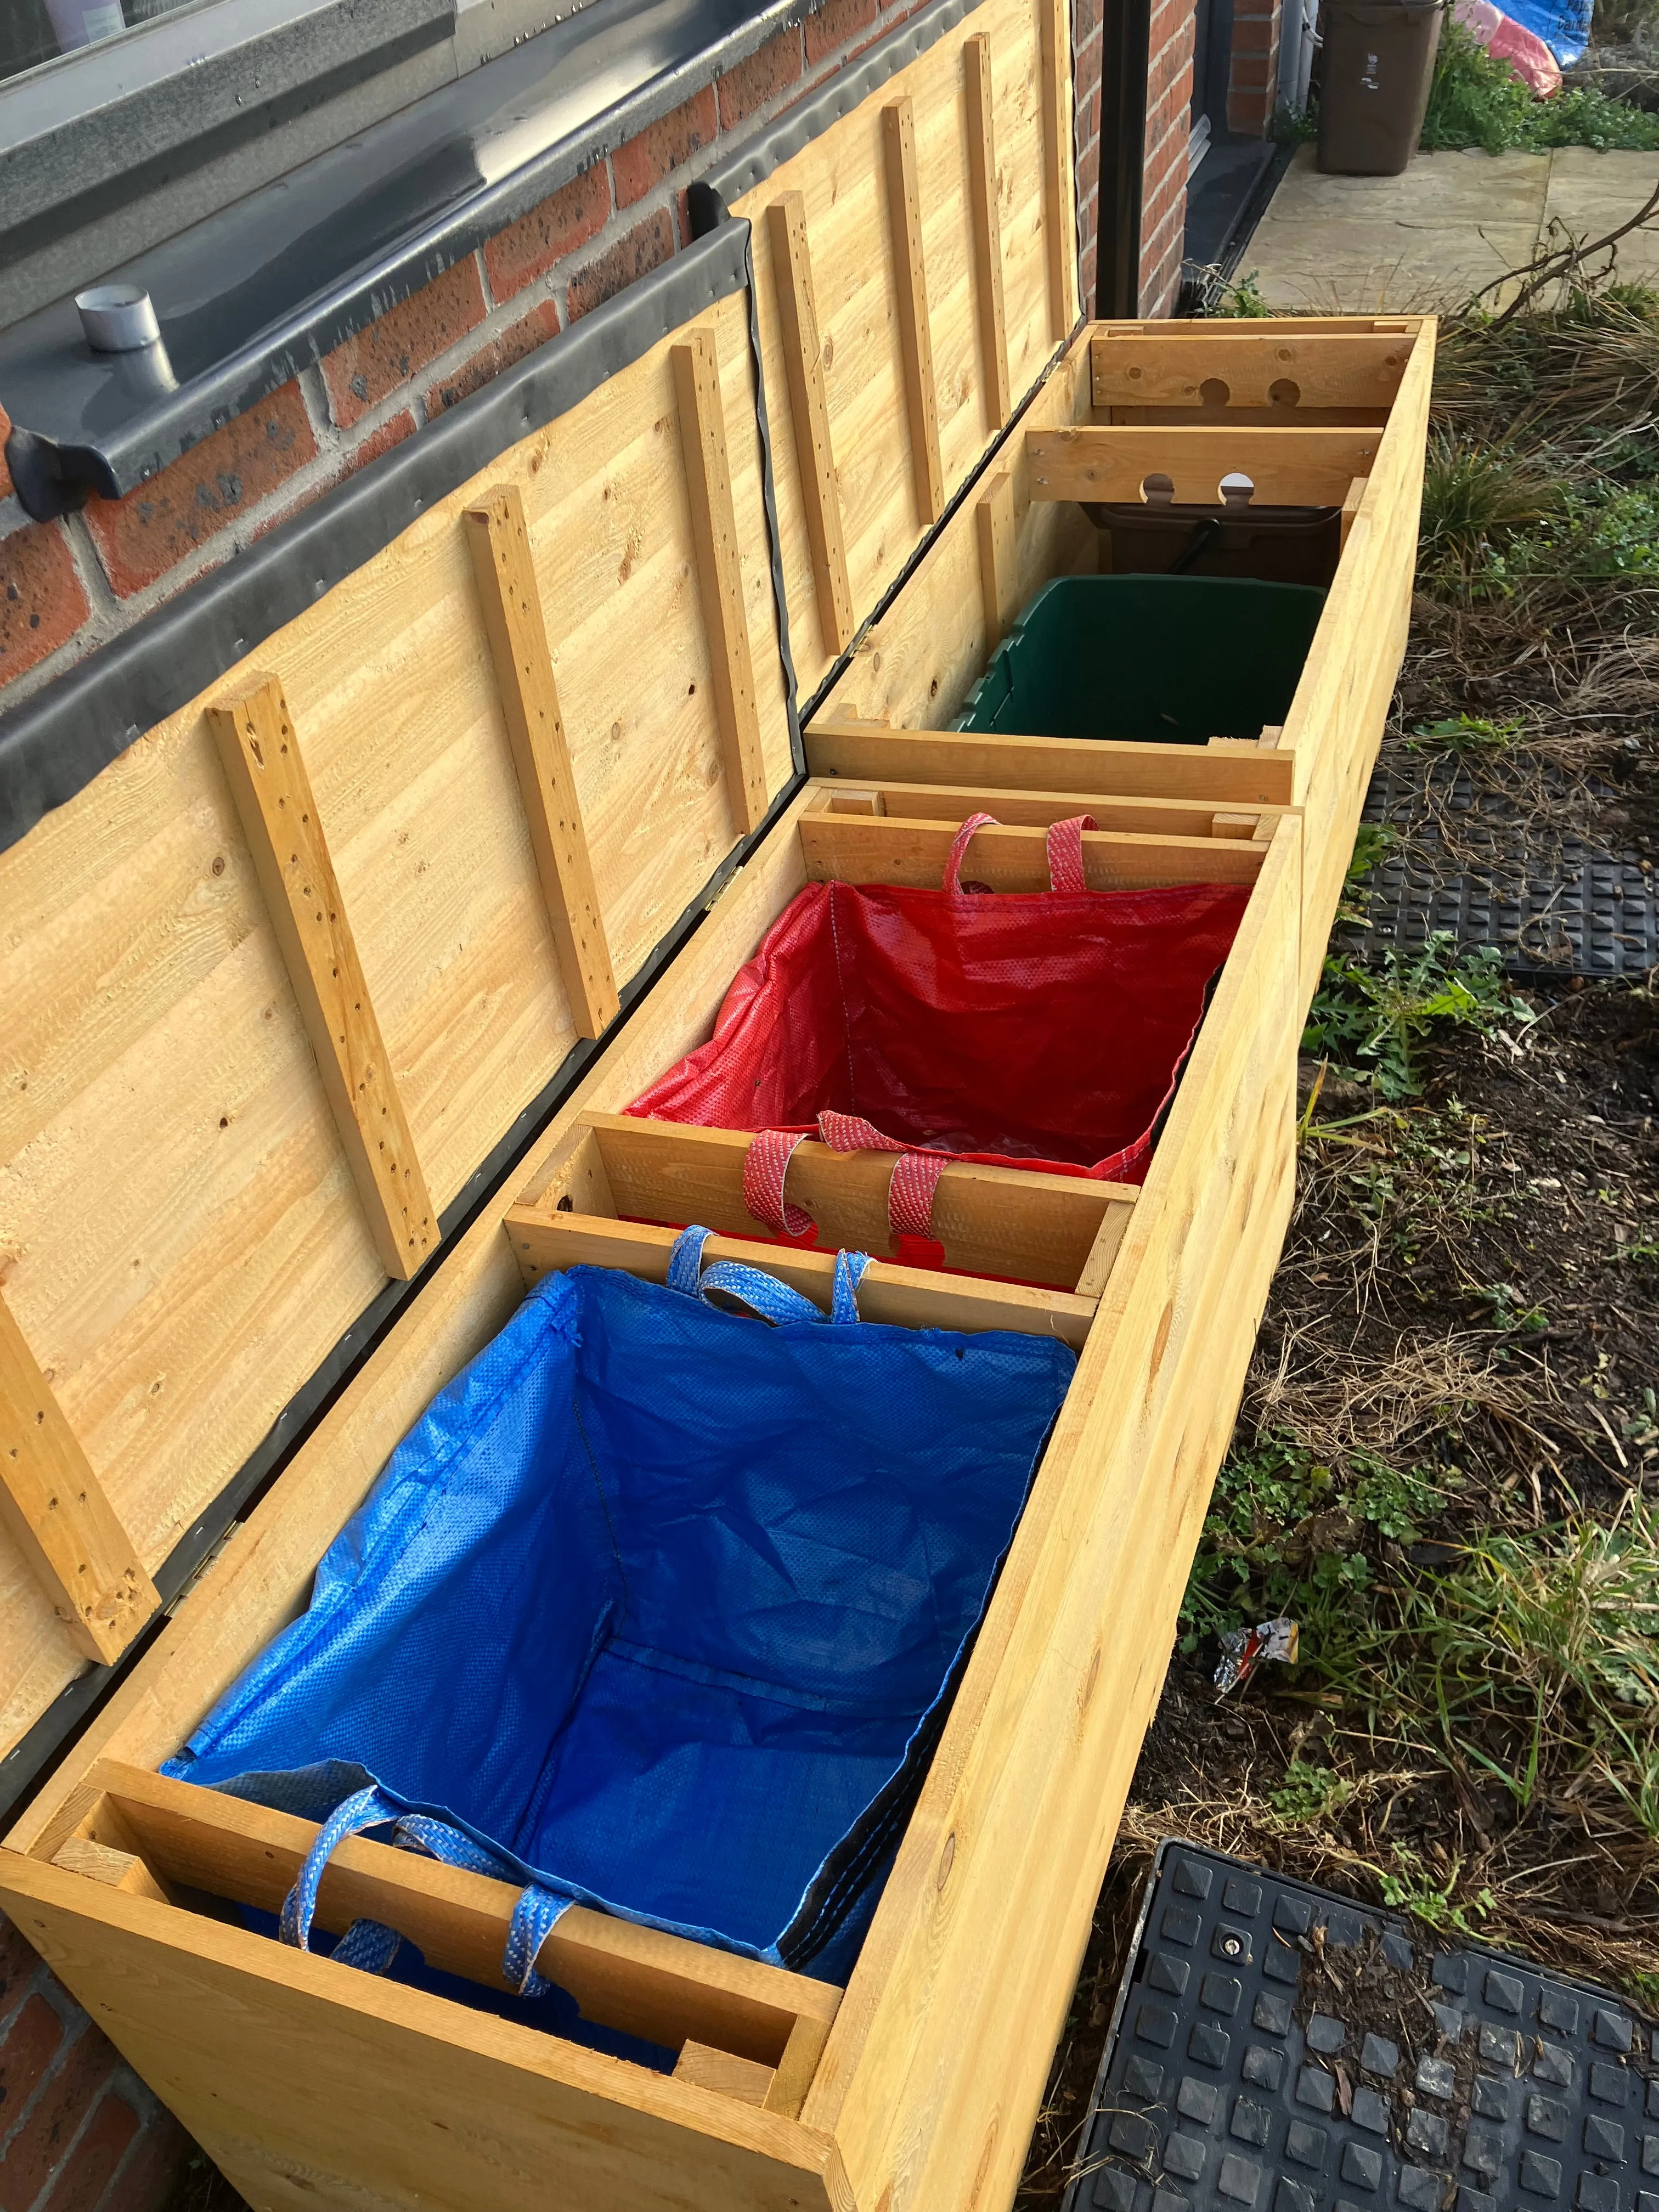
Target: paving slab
point(1451, 225)
point(1591, 193)
point(1419, 242)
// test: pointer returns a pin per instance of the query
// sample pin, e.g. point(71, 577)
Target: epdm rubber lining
point(1222, 2090)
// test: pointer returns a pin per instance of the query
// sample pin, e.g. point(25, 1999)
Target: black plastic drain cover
point(1552, 905)
point(1276, 2049)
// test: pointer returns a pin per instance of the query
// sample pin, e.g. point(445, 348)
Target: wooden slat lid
point(291, 975)
point(916, 269)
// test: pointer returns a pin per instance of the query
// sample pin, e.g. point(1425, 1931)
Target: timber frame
point(1323, 412)
point(298, 958)
point(786, 2091)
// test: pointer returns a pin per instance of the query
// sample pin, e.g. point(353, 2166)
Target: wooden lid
point(915, 271)
point(290, 979)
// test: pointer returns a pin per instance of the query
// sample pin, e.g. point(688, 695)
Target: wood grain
point(511, 609)
point(714, 524)
point(875, 850)
point(58, 1514)
point(898, 124)
point(1289, 467)
point(1007, 1222)
point(309, 2083)
point(1079, 767)
point(988, 227)
point(1241, 367)
point(905, 1298)
point(999, 562)
point(1059, 208)
point(792, 263)
point(271, 786)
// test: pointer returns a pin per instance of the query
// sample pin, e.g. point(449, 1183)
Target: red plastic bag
point(1038, 1029)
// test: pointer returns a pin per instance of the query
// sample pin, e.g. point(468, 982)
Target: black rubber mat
point(1553, 906)
point(1276, 2049)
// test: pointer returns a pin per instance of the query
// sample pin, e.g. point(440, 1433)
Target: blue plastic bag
point(657, 1608)
point(1562, 25)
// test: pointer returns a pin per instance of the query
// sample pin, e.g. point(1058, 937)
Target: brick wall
point(68, 586)
point(1253, 78)
point(1168, 114)
point(79, 2132)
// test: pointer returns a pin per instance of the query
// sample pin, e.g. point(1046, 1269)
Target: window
point(34, 32)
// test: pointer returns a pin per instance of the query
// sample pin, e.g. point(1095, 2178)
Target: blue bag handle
point(371, 1946)
point(765, 1294)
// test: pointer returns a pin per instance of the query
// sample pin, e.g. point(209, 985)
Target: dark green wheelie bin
point(1178, 660)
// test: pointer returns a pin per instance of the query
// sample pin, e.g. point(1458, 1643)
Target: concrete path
point(1452, 223)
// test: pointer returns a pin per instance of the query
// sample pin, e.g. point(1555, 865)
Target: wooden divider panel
point(895, 383)
point(193, 1208)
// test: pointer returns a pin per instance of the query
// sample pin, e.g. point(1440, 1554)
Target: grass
point(1475, 102)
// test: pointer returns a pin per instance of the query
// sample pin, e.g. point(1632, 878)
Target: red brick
point(745, 90)
point(65, 2096)
point(646, 246)
point(664, 146)
point(1250, 70)
point(153, 2168)
point(19, 1960)
point(1088, 172)
point(557, 226)
point(398, 344)
point(28, 2049)
point(5, 473)
point(98, 2151)
point(213, 485)
point(41, 601)
point(834, 24)
point(390, 434)
point(498, 353)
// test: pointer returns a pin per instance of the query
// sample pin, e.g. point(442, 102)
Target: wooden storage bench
point(457, 804)
point(300, 2076)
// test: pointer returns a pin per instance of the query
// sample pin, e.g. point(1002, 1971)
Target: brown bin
point(1377, 66)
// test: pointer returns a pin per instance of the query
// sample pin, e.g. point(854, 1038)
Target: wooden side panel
point(1335, 723)
point(1290, 466)
point(312, 2084)
point(915, 666)
point(842, 179)
point(934, 2069)
point(1203, 366)
point(181, 1240)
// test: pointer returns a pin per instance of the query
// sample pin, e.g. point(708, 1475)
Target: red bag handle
point(1064, 843)
point(765, 1164)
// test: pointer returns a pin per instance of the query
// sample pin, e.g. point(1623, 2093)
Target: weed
point(1308, 1794)
point(1368, 1018)
point(1241, 299)
point(1465, 733)
point(1287, 1534)
point(1371, 849)
point(1534, 1659)
point(1507, 1313)
point(1475, 101)
point(1410, 1888)
point(1298, 126)
point(1603, 532)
